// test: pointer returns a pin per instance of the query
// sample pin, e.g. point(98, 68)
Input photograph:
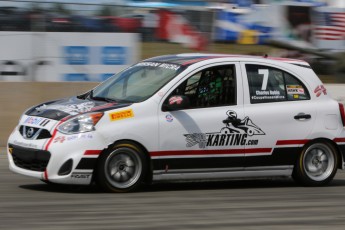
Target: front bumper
point(64, 159)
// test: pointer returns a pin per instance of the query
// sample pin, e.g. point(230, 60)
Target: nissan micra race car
point(186, 117)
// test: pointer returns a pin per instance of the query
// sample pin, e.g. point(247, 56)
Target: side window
point(268, 84)
point(215, 86)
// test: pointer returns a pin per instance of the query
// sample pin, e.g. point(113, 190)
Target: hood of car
point(72, 106)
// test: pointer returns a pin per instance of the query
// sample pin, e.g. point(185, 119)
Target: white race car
point(186, 117)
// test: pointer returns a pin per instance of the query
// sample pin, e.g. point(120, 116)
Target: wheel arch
point(149, 175)
point(334, 144)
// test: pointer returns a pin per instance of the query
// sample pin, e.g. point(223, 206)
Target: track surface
point(26, 203)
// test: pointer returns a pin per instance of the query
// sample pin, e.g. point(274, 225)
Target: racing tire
point(122, 168)
point(317, 164)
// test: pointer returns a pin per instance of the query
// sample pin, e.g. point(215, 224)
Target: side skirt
point(214, 174)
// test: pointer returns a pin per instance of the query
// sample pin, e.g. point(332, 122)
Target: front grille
point(31, 159)
point(34, 133)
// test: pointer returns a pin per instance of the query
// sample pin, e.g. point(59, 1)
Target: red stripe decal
point(259, 150)
point(209, 152)
point(195, 60)
point(92, 152)
point(46, 175)
point(50, 140)
point(339, 139)
point(291, 142)
point(54, 133)
point(192, 61)
point(196, 152)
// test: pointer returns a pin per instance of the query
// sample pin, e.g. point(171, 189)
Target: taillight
point(342, 113)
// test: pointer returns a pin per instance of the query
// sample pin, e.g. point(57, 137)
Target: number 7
point(264, 81)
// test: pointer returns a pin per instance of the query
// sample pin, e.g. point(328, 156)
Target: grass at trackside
point(151, 49)
point(329, 79)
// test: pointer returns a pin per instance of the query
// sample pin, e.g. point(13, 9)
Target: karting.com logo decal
point(235, 133)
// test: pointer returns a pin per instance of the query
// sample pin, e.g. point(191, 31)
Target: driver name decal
point(237, 132)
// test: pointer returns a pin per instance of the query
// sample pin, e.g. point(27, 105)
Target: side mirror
point(176, 102)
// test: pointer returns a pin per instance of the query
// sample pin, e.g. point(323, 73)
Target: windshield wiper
point(110, 100)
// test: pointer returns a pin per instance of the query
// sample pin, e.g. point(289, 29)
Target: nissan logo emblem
point(30, 132)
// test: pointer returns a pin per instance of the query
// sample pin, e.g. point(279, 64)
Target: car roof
point(192, 58)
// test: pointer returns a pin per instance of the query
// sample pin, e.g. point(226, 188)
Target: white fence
point(59, 56)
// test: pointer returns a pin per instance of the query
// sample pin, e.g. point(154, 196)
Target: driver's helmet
point(231, 114)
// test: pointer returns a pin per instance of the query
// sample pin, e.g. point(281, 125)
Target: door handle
point(302, 116)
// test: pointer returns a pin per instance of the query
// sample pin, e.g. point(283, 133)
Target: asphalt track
point(26, 203)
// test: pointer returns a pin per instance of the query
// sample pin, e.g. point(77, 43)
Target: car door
point(201, 137)
point(280, 113)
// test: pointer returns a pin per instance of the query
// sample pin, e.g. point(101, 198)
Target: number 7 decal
point(264, 81)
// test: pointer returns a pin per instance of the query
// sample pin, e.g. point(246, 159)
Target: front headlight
point(80, 124)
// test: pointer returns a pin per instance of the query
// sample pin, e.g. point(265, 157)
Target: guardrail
point(16, 97)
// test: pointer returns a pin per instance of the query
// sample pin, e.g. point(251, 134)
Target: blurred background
point(89, 40)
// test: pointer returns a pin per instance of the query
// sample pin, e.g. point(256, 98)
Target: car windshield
point(137, 83)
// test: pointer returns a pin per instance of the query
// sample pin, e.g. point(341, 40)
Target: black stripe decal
point(87, 163)
point(280, 156)
point(197, 163)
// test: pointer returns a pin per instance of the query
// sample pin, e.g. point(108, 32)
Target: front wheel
point(317, 164)
point(121, 169)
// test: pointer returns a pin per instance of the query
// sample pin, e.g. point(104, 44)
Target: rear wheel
point(121, 169)
point(317, 164)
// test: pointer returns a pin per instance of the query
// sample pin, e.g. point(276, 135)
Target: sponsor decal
point(161, 65)
point(62, 139)
point(169, 66)
point(294, 89)
point(81, 175)
point(237, 132)
point(114, 55)
point(175, 100)
point(25, 145)
point(120, 115)
point(72, 109)
point(76, 55)
point(320, 89)
point(36, 121)
point(169, 118)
